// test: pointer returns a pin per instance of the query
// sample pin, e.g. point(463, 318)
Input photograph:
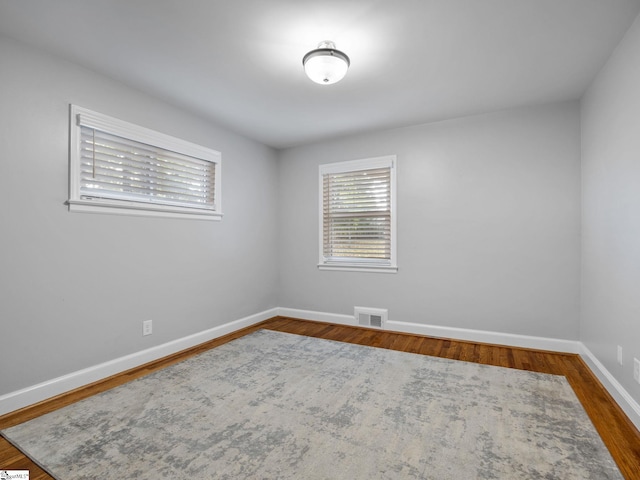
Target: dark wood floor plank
point(616, 430)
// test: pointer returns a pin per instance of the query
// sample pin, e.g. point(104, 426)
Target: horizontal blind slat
point(129, 197)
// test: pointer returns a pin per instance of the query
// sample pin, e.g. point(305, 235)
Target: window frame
point(78, 202)
point(355, 264)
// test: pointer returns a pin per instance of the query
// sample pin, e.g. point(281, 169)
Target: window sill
point(105, 207)
point(346, 267)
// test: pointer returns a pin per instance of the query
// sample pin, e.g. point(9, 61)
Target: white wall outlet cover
point(147, 327)
point(619, 355)
point(636, 370)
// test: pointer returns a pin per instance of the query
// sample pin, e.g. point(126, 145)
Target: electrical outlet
point(619, 355)
point(636, 370)
point(147, 327)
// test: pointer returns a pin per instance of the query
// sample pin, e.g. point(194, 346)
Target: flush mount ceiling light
point(326, 65)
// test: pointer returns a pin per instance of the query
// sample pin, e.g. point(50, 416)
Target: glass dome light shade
point(326, 65)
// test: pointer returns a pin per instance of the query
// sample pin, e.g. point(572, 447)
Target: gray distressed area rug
point(274, 405)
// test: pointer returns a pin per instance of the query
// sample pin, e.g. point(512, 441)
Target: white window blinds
point(123, 168)
point(118, 168)
point(358, 224)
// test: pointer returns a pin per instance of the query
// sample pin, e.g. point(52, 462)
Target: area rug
point(274, 405)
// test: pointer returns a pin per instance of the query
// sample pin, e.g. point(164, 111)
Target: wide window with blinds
point(357, 215)
point(118, 167)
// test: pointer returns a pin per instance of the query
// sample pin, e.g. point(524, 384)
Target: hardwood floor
point(618, 433)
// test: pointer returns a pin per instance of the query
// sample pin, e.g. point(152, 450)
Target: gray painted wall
point(75, 288)
point(488, 224)
point(611, 212)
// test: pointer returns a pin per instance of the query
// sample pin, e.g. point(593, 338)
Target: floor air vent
point(370, 317)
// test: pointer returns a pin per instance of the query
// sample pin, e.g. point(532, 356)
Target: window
point(357, 215)
point(118, 167)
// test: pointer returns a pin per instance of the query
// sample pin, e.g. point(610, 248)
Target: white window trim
point(353, 265)
point(80, 116)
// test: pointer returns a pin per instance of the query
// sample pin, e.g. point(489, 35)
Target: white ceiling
point(239, 62)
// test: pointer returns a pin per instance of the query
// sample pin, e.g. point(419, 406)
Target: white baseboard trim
point(36, 393)
point(317, 316)
point(615, 389)
point(482, 336)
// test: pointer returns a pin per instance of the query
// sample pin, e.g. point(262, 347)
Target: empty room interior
point(495, 144)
